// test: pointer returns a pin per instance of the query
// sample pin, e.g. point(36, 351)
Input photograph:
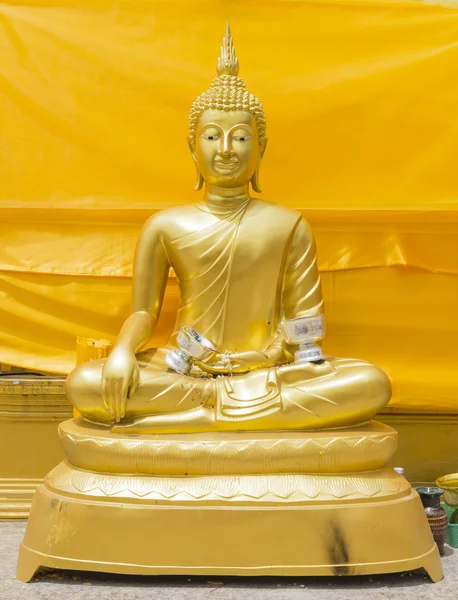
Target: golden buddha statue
point(182, 459)
point(243, 265)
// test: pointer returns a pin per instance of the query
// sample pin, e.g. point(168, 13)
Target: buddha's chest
point(238, 249)
point(230, 274)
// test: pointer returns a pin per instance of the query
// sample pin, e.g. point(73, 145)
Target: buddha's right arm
point(150, 273)
point(120, 374)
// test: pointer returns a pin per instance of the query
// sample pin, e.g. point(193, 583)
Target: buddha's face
point(227, 150)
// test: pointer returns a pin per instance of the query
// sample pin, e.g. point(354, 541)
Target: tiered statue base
point(279, 503)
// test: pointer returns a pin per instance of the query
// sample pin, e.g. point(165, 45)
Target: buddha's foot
point(189, 421)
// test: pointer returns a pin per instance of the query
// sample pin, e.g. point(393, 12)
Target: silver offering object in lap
point(304, 332)
point(191, 346)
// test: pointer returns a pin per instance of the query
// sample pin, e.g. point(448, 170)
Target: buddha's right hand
point(120, 377)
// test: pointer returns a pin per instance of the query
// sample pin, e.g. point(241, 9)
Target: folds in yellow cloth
point(361, 105)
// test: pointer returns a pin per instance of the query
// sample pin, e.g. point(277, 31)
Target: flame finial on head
point(227, 92)
point(228, 63)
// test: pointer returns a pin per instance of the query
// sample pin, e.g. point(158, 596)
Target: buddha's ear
point(192, 147)
point(255, 179)
point(262, 150)
point(200, 179)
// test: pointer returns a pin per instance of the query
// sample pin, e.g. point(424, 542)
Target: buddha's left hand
point(240, 362)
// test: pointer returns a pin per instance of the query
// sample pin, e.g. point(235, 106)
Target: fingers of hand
point(122, 398)
point(215, 359)
point(215, 369)
point(218, 370)
point(116, 384)
point(121, 395)
point(133, 386)
point(114, 391)
point(114, 395)
point(110, 398)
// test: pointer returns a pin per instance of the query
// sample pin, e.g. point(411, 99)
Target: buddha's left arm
point(301, 292)
point(302, 296)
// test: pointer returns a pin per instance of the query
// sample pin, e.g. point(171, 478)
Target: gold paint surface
point(363, 448)
point(242, 266)
point(335, 538)
point(343, 514)
point(297, 488)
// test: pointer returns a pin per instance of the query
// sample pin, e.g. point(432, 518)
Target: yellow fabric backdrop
point(361, 99)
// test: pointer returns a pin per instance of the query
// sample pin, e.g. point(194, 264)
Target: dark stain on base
point(338, 550)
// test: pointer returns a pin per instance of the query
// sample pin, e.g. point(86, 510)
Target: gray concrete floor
point(77, 585)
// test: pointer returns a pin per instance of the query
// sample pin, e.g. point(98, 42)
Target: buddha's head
point(227, 128)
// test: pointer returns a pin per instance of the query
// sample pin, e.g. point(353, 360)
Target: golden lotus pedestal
point(277, 503)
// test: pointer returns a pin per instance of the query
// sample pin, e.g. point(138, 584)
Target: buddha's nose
point(225, 149)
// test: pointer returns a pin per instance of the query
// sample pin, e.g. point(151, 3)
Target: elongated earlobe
point(255, 181)
point(199, 178)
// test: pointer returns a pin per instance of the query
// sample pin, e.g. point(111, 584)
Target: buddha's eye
point(210, 137)
point(241, 138)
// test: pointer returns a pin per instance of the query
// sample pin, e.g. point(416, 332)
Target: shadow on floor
point(409, 579)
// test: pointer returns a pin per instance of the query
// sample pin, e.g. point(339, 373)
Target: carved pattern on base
point(223, 488)
point(367, 449)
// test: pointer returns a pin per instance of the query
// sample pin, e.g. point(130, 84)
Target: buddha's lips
point(226, 164)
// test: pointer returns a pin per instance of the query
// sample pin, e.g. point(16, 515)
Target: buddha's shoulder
point(275, 210)
point(172, 221)
point(171, 217)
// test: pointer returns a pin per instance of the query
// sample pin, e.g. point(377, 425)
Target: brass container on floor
point(436, 515)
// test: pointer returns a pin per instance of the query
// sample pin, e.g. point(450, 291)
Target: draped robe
point(241, 267)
